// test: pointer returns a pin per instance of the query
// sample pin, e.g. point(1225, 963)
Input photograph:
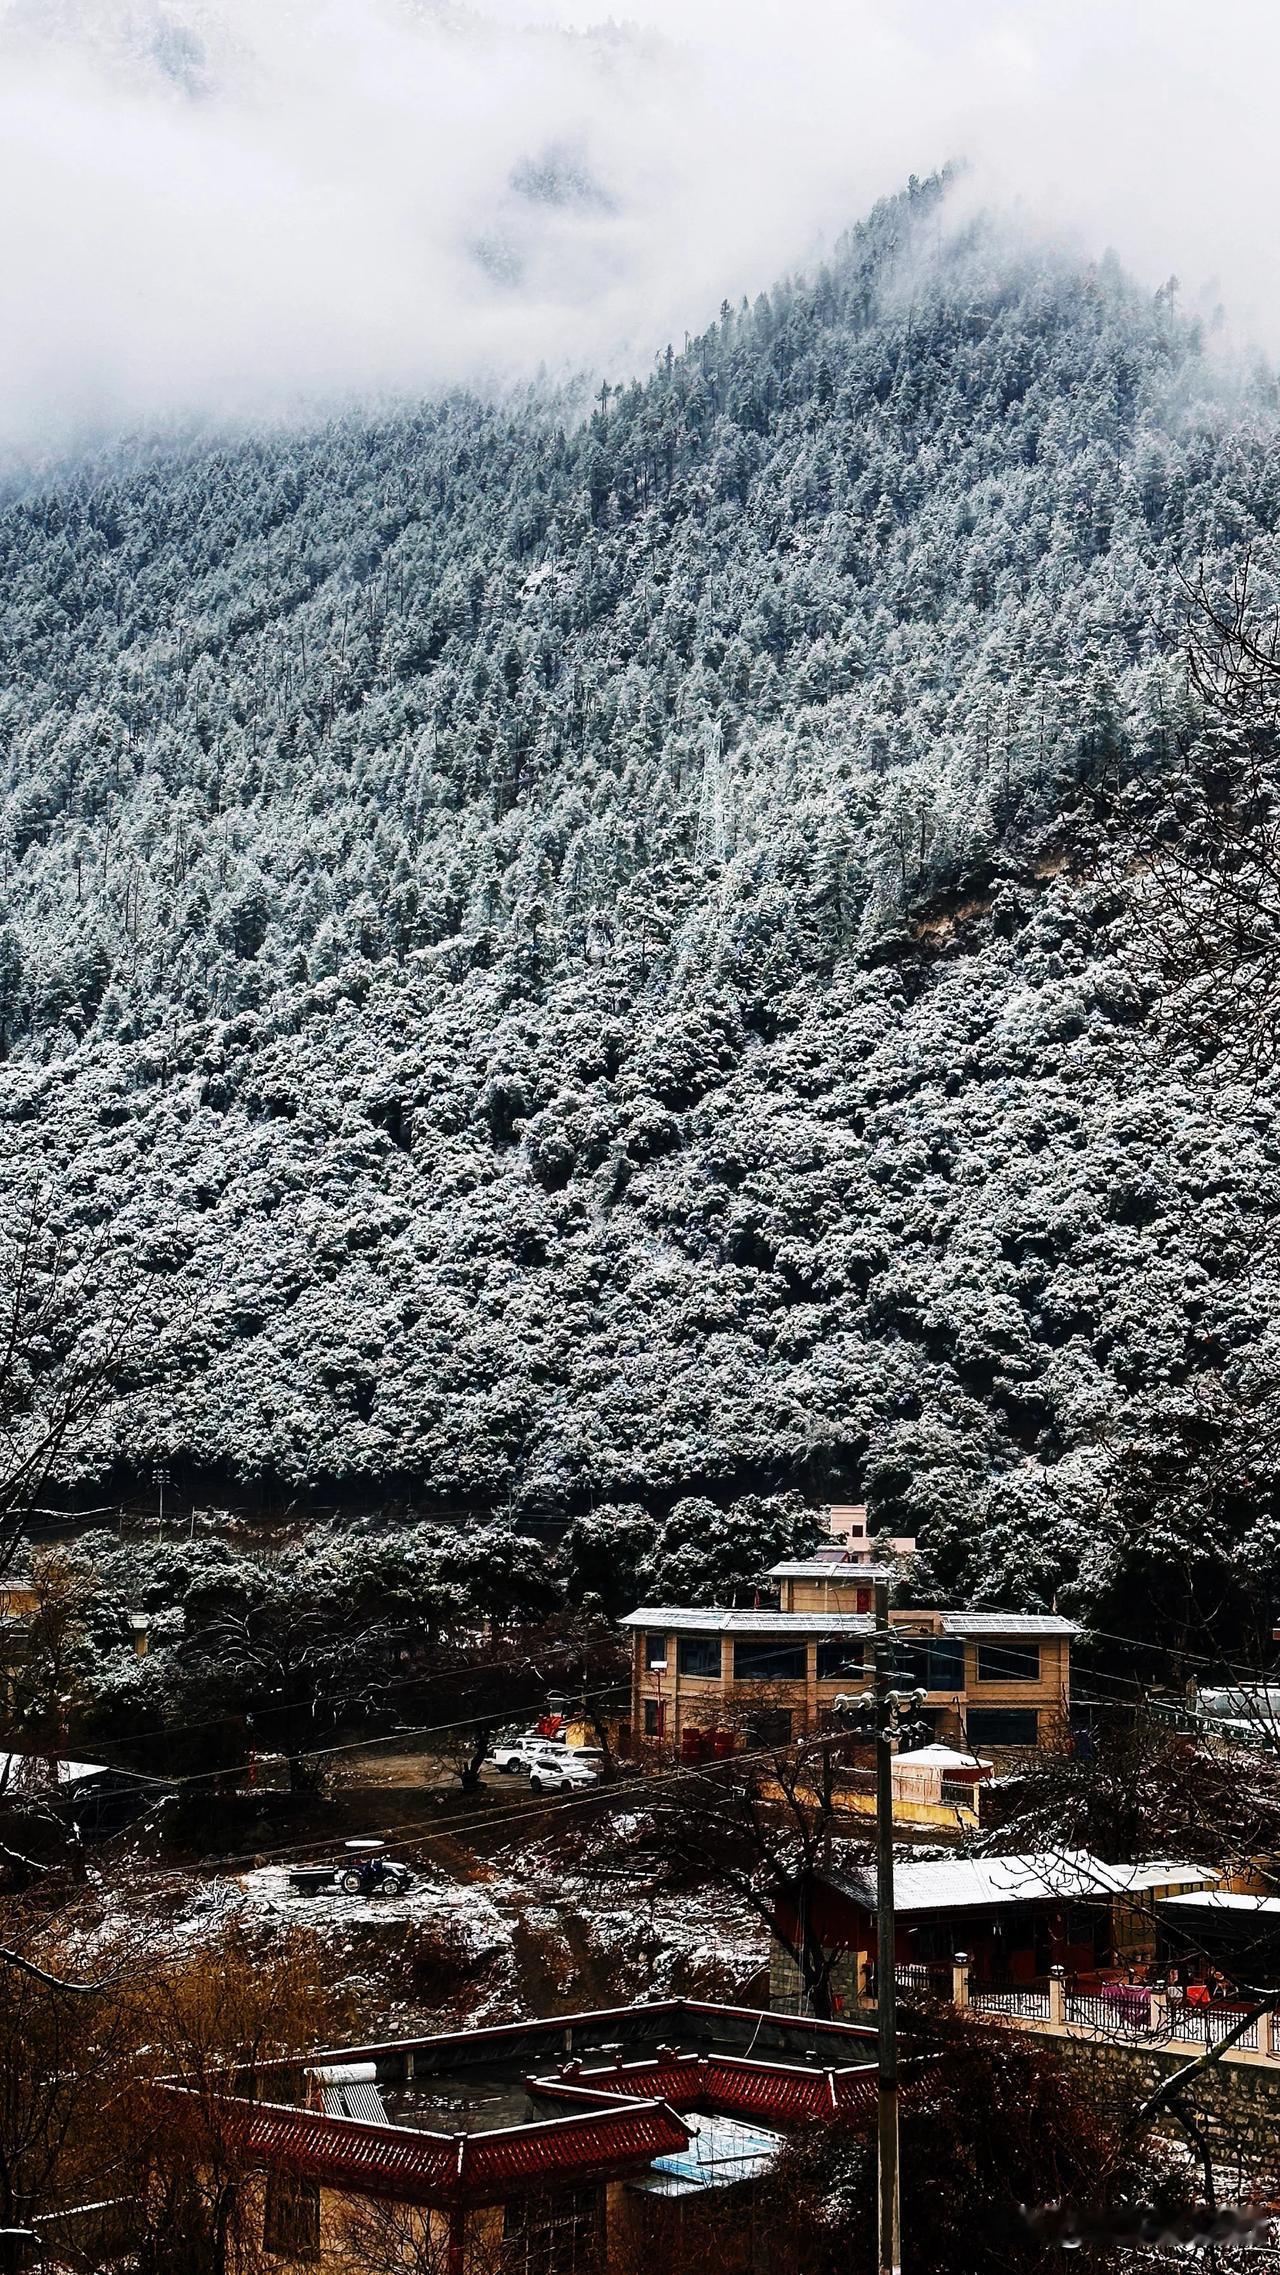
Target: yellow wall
point(717, 1701)
point(422, 2235)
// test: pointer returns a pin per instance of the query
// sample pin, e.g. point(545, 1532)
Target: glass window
point(1002, 1726)
point(839, 1656)
point(655, 1717)
point(929, 1662)
point(1008, 1662)
point(655, 1650)
point(698, 1654)
point(291, 2216)
point(769, 1726)
point(768, 1659)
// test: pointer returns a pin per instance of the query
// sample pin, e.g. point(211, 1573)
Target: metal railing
point(1209, 2025)
point(912, 1977)
point(1135, 2014)
point(1111, 2012)
point(923, 1979)
point(1024, 2002)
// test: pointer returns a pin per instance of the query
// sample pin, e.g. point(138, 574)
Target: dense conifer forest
point(584, 950)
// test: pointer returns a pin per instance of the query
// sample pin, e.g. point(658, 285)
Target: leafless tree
point(761, 1825)
point(1151, 1782)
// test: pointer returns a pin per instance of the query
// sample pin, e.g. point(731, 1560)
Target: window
point(1002, 1726)
point(698, 1654)
point(1008, 1662)
point(556, 2234)
point(766, 1659)
point(769, 1726)
point(655, 1717)
point(655, 1650)
point(929, 1662)
point(839, 1656)
point(291, 2216)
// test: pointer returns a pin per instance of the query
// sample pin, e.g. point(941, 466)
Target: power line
point(644, 1782)
point(261, 1714)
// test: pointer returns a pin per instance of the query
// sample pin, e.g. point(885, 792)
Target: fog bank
point(228, 207)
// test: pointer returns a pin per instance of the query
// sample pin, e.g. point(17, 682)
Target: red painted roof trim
point(441, 2169)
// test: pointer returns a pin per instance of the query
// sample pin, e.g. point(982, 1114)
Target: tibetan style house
point(620, 2138)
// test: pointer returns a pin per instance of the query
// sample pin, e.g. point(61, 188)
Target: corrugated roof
point(1027, 1623)
point(975, 1883)
point(721, 2152)
point(842, 1569)
point(676, 1619)
point(31, 1773)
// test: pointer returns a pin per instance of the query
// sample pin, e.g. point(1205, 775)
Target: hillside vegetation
point(572, 946)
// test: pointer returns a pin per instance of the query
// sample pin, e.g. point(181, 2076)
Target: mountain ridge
point(467, 890)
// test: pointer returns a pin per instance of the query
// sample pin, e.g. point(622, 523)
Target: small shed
point(922, 1774)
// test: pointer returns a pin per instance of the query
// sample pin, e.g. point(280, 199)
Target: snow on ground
point(578, 1919)
point(522, 1936)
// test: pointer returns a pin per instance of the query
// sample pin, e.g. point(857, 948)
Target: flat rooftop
point(477, 2115)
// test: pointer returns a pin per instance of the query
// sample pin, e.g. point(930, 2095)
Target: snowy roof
point(677, 1619)
point(846, 1569)
point(674, 1619)
point(943, 1757)
point(1221, 1900)
point(973, 1883)
point(1006, 1623)
point(21, 1773)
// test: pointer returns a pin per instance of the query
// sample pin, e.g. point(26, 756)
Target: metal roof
point(955, 1884)
point(33, 1773)
point(1222, 1900)
point(721, 2152)
point(1018, 1623)
point(676, 1619)
point(840, 1568)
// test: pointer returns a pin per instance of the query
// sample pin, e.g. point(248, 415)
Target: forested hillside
point(565, 942)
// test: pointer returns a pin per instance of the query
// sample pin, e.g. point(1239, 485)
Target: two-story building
point(708, 1681)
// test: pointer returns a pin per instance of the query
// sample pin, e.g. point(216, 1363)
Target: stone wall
point(1235, 2105)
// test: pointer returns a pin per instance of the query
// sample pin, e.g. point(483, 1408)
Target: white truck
point(515, 1755)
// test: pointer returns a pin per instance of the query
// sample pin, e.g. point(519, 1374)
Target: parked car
point(565, 1771)
point(513, 1755)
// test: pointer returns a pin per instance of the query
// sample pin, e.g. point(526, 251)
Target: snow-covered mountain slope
point(559, 940)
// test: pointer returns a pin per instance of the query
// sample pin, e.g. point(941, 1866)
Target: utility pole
point(890, 2200)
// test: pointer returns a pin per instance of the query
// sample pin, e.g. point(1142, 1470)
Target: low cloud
point(230, 208)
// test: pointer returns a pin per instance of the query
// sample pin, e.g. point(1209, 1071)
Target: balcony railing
point(1025, 2004)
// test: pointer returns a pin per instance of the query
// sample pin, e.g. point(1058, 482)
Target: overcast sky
point(214, 205)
